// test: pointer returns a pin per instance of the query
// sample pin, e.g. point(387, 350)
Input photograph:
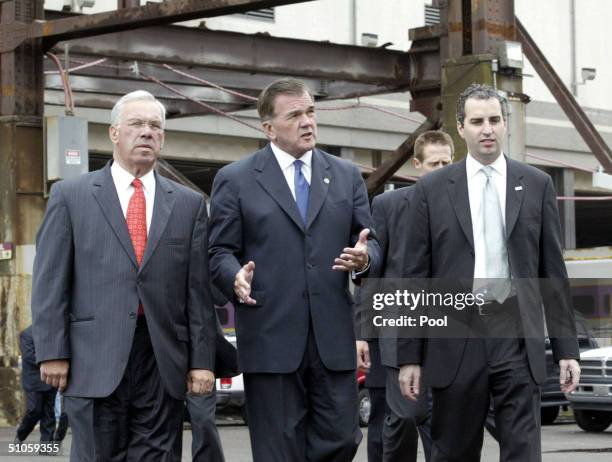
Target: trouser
point(40, 407)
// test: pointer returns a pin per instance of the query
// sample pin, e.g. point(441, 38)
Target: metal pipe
point(353, 13)
point(573, 47)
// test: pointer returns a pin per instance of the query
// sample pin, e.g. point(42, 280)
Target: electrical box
point(66, 153)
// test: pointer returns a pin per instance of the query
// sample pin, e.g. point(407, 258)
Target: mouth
point(144, 146)
point(307, 135)
point(488, 142)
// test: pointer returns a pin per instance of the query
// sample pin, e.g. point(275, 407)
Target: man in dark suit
point(495, 220)
point(40, 396)
point(121, 304)
point(432, 151)
point(287, 223)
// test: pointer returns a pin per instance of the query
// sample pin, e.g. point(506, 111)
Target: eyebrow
point(298, 111)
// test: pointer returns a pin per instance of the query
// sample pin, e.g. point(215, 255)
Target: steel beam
point(251, 53)
point(566, 100)
point(152, 14)
point(399, 157)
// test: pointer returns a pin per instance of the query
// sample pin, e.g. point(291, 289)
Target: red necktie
point(137, 224)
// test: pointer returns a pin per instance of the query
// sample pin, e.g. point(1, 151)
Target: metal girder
point(252, 53)
point(97, 86)
point(399, 157)
point(152, 14)
point(566, 100)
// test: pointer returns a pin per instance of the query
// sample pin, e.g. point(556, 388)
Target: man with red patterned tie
point(122, 311)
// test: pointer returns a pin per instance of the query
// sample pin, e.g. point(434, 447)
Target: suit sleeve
point(225, 246)
point(363, 219)
point(200, 307)
point(26, 345)
point(417, 266)
point(555, 291)
point(52, 280)
point(380, 226)
point(379, 218)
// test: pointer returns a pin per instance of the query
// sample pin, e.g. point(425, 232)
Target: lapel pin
point(326, 180)
point(518, 188)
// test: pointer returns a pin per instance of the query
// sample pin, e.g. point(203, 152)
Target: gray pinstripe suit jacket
point(87, 284)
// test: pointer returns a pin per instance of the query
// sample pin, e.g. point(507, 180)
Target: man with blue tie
point(287, 224)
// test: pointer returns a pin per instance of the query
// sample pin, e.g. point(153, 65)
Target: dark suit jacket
point(254, 217)
point(390, 215)
point(30, 373)
point(87, 284)
point(440, 244)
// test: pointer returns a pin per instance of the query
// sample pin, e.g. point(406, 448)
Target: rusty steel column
point(21, 198)
point(475, 30)
point(492, 22)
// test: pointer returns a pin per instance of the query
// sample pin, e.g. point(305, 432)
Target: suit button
point(132, 315)
point(305, 294)
point(309, 266)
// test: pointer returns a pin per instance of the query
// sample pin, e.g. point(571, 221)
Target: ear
point(460, 129)
point(113, 134)
point(417, 163)
point(269, 130)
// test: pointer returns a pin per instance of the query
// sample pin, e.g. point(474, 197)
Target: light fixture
point(510, 55)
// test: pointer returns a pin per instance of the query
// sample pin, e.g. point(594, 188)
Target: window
point(266, 14)
point(432, 15)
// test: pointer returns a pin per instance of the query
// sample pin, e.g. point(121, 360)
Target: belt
point(491, 307)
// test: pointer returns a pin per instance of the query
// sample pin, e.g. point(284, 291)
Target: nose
point(305, 120)
point(146, 131)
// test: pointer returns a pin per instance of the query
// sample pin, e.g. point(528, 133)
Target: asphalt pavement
point(561, 442)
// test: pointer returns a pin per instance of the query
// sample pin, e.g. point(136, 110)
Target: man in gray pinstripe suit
point(121, 303)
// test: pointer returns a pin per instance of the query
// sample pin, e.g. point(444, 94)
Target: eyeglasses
point(138, 124)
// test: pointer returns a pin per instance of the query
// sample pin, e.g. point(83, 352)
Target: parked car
point(592, 400)
point(230, 390)
point(553, 398)
point(364, 400)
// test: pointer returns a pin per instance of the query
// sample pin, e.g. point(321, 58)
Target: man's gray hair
point(479, 91)
point(138, 95)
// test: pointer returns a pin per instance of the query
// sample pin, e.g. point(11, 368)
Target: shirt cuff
point(362, 271)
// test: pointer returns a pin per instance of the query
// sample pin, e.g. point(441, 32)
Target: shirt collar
point(123, 179)
point(285, 159)
point(472, 166)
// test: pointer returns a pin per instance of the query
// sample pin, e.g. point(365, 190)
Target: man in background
point(40, 397)
point(397, 431)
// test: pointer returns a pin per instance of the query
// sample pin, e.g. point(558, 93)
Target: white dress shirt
point(123, 182)
point(476, 181)
point(287, 166)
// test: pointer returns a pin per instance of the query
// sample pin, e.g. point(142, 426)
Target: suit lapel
point(514, 196)
point(162, 209)
point(105, 193)
point(271, 179)
point(459, 197)
point(319, 185)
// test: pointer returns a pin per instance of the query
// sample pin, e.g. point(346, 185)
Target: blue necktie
point(301, 189)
